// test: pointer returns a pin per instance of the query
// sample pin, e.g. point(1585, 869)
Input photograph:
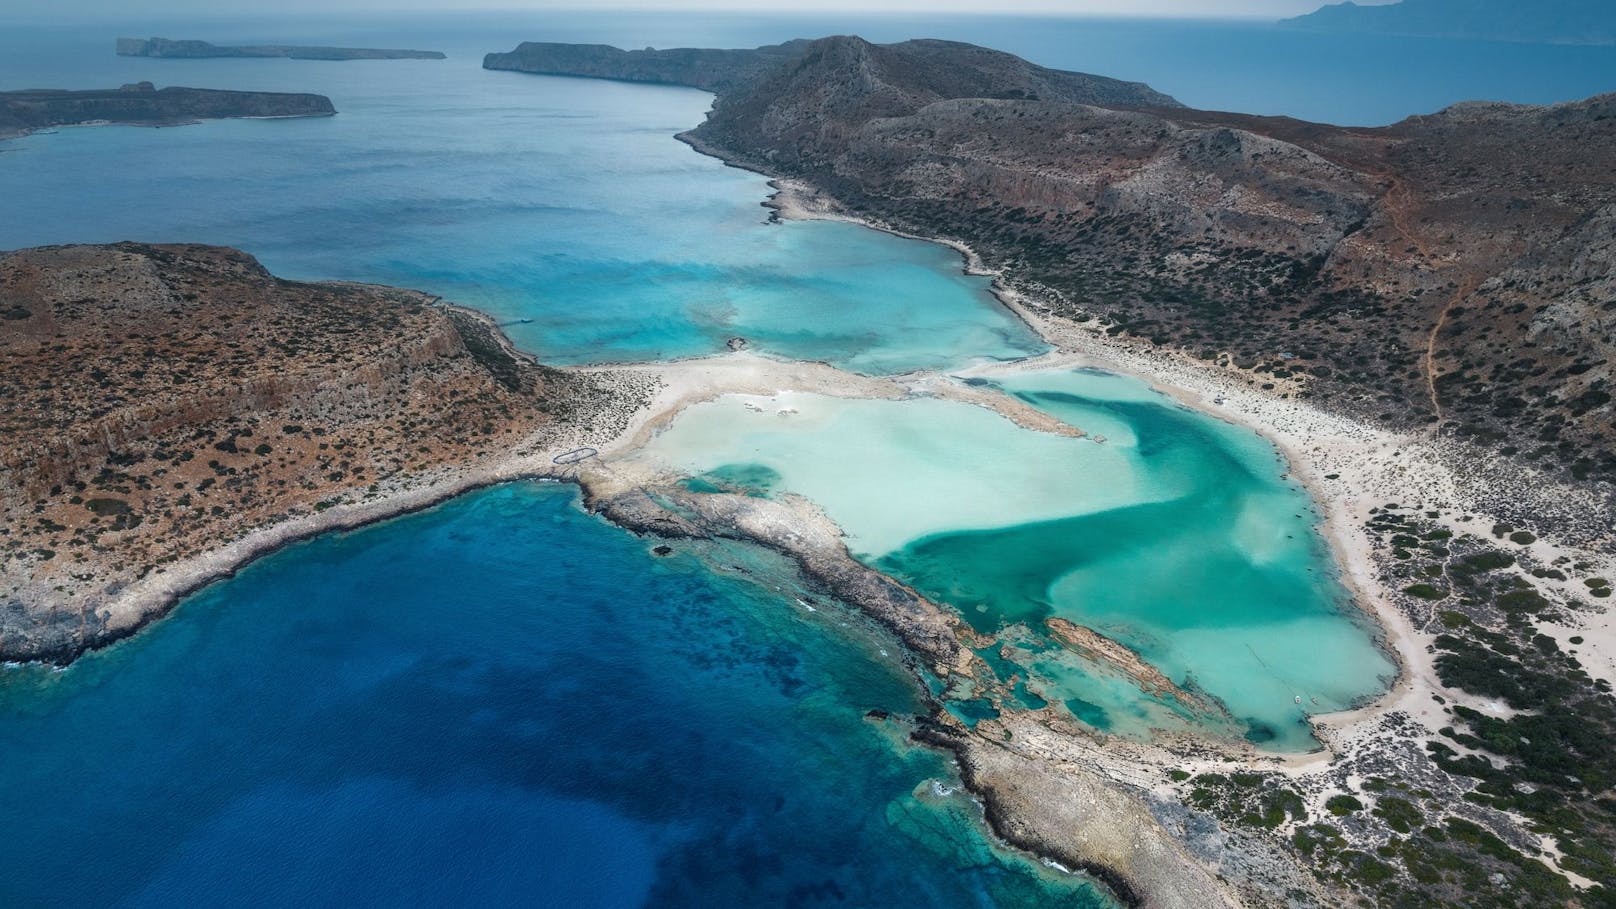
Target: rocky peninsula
point(198, 50)
point(1377, 269)
point(174, 410)
point(1416, 314)
point(143, 104)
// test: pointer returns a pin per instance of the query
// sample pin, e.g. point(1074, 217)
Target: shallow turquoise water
point(500, 701)
point(504, 701)
point(564, 207)
point(1177, 535)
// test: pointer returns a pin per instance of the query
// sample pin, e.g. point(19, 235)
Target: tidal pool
point(1167, 530)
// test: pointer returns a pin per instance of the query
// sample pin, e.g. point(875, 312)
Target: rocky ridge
point(709, 70)
point(165, 402)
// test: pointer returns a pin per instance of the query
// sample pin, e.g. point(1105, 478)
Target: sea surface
point(563, 207)
point(505, 701)
point(501, 701)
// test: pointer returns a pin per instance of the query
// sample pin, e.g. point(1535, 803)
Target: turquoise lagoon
point(1177, 535)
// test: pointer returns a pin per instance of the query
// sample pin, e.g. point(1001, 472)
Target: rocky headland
point(1451, 272)
point(710, 70)
point(197, 50)
point(143, 104)
point(174, 410)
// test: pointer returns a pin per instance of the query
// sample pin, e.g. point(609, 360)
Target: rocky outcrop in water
point(797, 530)
point(1097, 648)
point(195, 50)
point(143, 104)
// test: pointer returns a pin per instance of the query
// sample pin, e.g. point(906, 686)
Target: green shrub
point(1425, 592)
point(1342, 805)
point(108, 507)
point(1401, 815)
point(1522, 601)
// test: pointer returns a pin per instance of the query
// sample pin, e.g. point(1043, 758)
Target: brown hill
point(165, 401)
point(1452, 270)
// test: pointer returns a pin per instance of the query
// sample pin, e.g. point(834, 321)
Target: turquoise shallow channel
point(1177, 535)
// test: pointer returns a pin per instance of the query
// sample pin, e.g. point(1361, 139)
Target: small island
point(1548, 22)
point(198, 50)
point(143, 104)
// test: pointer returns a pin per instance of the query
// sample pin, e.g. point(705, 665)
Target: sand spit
point(1113, 806)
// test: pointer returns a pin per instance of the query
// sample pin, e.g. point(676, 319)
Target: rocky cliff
point(164, 47)
point(145, 105)
point(165, 401)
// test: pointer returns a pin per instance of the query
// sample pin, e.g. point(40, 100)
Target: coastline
point(1346, 466)
point(1349, 469)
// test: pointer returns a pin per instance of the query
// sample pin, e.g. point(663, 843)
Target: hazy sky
point(35, 10)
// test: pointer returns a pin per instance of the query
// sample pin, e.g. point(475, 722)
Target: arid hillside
point(1451, 271)
point(162, 401)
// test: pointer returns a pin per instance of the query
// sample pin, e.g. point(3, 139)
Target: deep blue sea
point(503, 700)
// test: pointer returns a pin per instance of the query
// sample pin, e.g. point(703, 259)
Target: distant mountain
point(195, 50)
point(704, 68)
point(143, 104)
point(1542, 21)
point(886, 78)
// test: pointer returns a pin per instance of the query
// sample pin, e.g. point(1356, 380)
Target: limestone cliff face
point(141, 103)
point(163, 401)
